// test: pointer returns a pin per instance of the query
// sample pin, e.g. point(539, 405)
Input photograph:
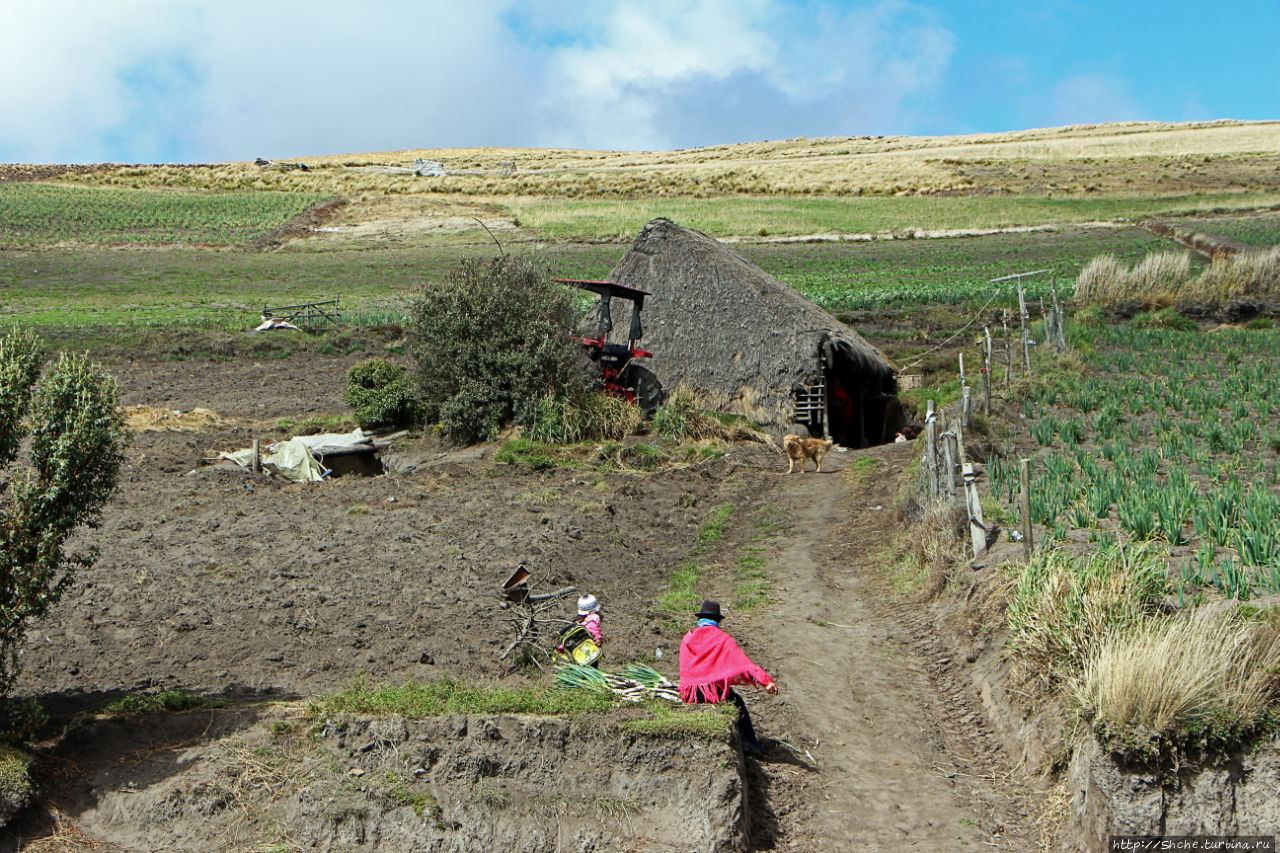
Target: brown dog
point(799, 449)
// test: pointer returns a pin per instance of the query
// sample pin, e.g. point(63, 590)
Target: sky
point(175, 81)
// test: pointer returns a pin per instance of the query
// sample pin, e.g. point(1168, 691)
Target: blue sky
point(179, 81)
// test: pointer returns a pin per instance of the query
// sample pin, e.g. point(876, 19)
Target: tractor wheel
point(647, 387)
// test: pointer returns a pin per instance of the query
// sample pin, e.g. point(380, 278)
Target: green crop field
point(1170, 437)
point(84, 287)
point(585, 219)
point(901, 273)
point(1260, 229)
point(35, 214)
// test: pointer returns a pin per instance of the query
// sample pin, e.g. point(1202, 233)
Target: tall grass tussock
point(1181, 683)
point(1066, 606)
point(1163, 279)
point(593, 416)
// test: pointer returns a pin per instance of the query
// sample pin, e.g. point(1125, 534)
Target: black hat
point(710, 610)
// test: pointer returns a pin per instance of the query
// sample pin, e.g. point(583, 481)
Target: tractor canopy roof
point(607, 288)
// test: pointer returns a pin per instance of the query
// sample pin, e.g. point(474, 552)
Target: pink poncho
point(711, 663)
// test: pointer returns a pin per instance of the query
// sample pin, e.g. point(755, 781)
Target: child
point(582, 639)
point(589, 616)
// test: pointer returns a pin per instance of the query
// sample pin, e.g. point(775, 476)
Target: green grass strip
point(448, 695)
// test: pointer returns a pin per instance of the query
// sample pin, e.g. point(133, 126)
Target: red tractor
point(621, 375)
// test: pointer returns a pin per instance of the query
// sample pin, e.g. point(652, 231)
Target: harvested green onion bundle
point(639, 683)
point(571, 675)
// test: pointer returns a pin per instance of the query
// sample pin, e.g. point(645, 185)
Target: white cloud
point(142, 80)
point(654, 76)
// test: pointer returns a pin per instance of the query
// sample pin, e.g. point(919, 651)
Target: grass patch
point(680, 594)
point(752, 580)
point(523, 451)
point(317, 424)
point(859, 471)
point(172, 701)
point(403, 790)
point(579, 219)
point(670, 720)
point(1066, 607)
point(489, 795)
point(39, 214)
point(450, 696)
point(907, 573)
point(713, 527)
point(752, 588)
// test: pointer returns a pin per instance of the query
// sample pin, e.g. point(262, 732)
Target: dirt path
point(904, 755)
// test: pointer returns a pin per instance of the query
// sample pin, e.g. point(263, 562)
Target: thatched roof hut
point(751, 343)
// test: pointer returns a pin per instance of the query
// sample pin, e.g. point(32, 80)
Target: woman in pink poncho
point(711, 665)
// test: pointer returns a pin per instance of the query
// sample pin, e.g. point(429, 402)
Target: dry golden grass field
point(1090, 172)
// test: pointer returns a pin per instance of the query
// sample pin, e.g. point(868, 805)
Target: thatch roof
point(724, 326)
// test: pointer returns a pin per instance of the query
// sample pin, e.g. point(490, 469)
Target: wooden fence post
point(1008, 349)
point(966, 403)
point(986, 373)
point(973, 503)
point(256, 463)
point(1024, 506)
point(1026, 346)
point(949, 460)
point(931, 448)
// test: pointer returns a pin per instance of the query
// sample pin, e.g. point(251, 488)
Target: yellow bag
point(579, 646)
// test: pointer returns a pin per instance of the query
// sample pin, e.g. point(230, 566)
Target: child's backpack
point(577, 644)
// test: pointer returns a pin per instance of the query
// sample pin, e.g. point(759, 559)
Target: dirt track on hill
point(229, 584)
point(904, 757)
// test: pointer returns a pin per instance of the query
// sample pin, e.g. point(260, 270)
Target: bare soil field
point(248, 588)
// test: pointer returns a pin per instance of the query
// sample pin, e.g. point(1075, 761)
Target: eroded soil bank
point(261, 778)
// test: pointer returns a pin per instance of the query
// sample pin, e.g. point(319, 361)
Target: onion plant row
point(1171, 438)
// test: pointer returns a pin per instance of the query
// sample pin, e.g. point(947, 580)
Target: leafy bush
point(1090, 317)
point(382, 395)
point(1165, 318)
point(76, 449)
point(490, 342)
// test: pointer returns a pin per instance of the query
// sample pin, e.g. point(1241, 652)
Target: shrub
point(382, 395)
point(1165, 318)
point(76, 449)
point(1243, 274)
point(682, 417)
point(1163, 279)
point(1158, 278)
point(490, 342)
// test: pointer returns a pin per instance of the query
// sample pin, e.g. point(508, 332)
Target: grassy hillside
point(797, 187)
point(1123, 159)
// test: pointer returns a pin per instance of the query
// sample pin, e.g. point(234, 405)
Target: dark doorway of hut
point(861, 408)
